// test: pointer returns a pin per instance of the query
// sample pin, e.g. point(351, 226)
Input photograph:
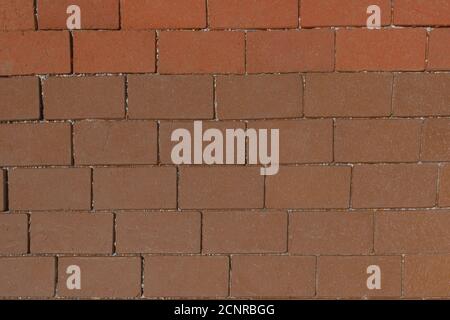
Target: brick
point(347, 276)
point(114, 51)
point(259, 96)
point(98, 14)
point(3, 191)
point(394, 186)
point(380, 50)
point(35, 144)
point(13, 233)
point(115, 142)
point(50, 189)
point(309, 187)
point(158, 232)
point(20, 98)
point(162, 14)
point(51, 52)
point(444, 186)
point(421, 94)
point(27, 277)
point(435, 140)
point(75, 233)
point(377, 140)
point(135, 188)
point(420, 13)
point(102, 277)
point(170, 97)
point(331, 232)
point(17, 15)
point(186, 276)
point(201, 52)
point(301, 141)
point(244, 232)
point(263, 14)
point(84, 97)
point(339, 94)
point(427, 276)
point(290, 51)
point(273, 276)
point(220, 187)
point(328, 13)
point(439, 50)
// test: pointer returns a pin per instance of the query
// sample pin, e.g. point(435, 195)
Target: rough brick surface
point(20, 98)
point(435, 140)
point(439, 50)
point(17, 15)
point(421, 13)
point(13, 233)
point(444, 186)
point(3, 190)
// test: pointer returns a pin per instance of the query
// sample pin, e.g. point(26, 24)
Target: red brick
point(114, 51)
point(49, 189)
point(422, 13)
point(244, 232)
point(272, 276)
point(27, 277)
point(98, 14)
point(394, 186)
point(186, 276)
point(220, 187)
point(377, 140)
point(102, 277)
point(59, 232)
point(51, 52)
point(309, 187)
point(20, 98)
point(380, 50)
point(263, 14)
point(170, 97)
point(35, 144)
point(13, 233)
point(115, 142)
point(439, 50)
point(158, 232)
point(3, 190)
point(135, 188)
point(162, 14)
point(444, 186)
point(201, 52)
point(331, 232)
point(290, 51)
point(259, 96)
point(17, 15)
point(84, 97)
point(324, 13)
point(435, 140)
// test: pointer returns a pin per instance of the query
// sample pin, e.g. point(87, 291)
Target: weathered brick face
point(87, 178)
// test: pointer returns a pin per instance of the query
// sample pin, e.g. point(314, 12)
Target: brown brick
point(49, 189)
point(170, 97)
point(20, 98)
point(339, 94)
point(250, 14)
point(13, 233)
point(347, 276)
point(135, 188)
point(84, 97)
point(114, 51)
point(59, 232)
point(117, 142)
point(158, 232)
point(380, 50)
point(444, 186)
point(17, 15)
point(186, 276)
point(27, 277)
point(102, 277)
point(244, 232)
point(51, 52)
point(435, 140)
point(221, 187)
point(439, 49)
point(3, 191)
point(98, 14)
point(309, 187)
point(332, 232)
point(259, 96)
point(412, 232)
point(377, 140)
point(422, 13)
point(201, 52)
point(162, 14)
point(35, 144)
point(272, 276)
point(394, 186)
point(290, 51)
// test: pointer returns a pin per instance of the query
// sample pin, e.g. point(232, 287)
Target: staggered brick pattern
point(86, 176)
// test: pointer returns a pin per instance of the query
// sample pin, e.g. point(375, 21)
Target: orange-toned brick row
point(421, 13)
point(439, 49)
point(17, 15)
